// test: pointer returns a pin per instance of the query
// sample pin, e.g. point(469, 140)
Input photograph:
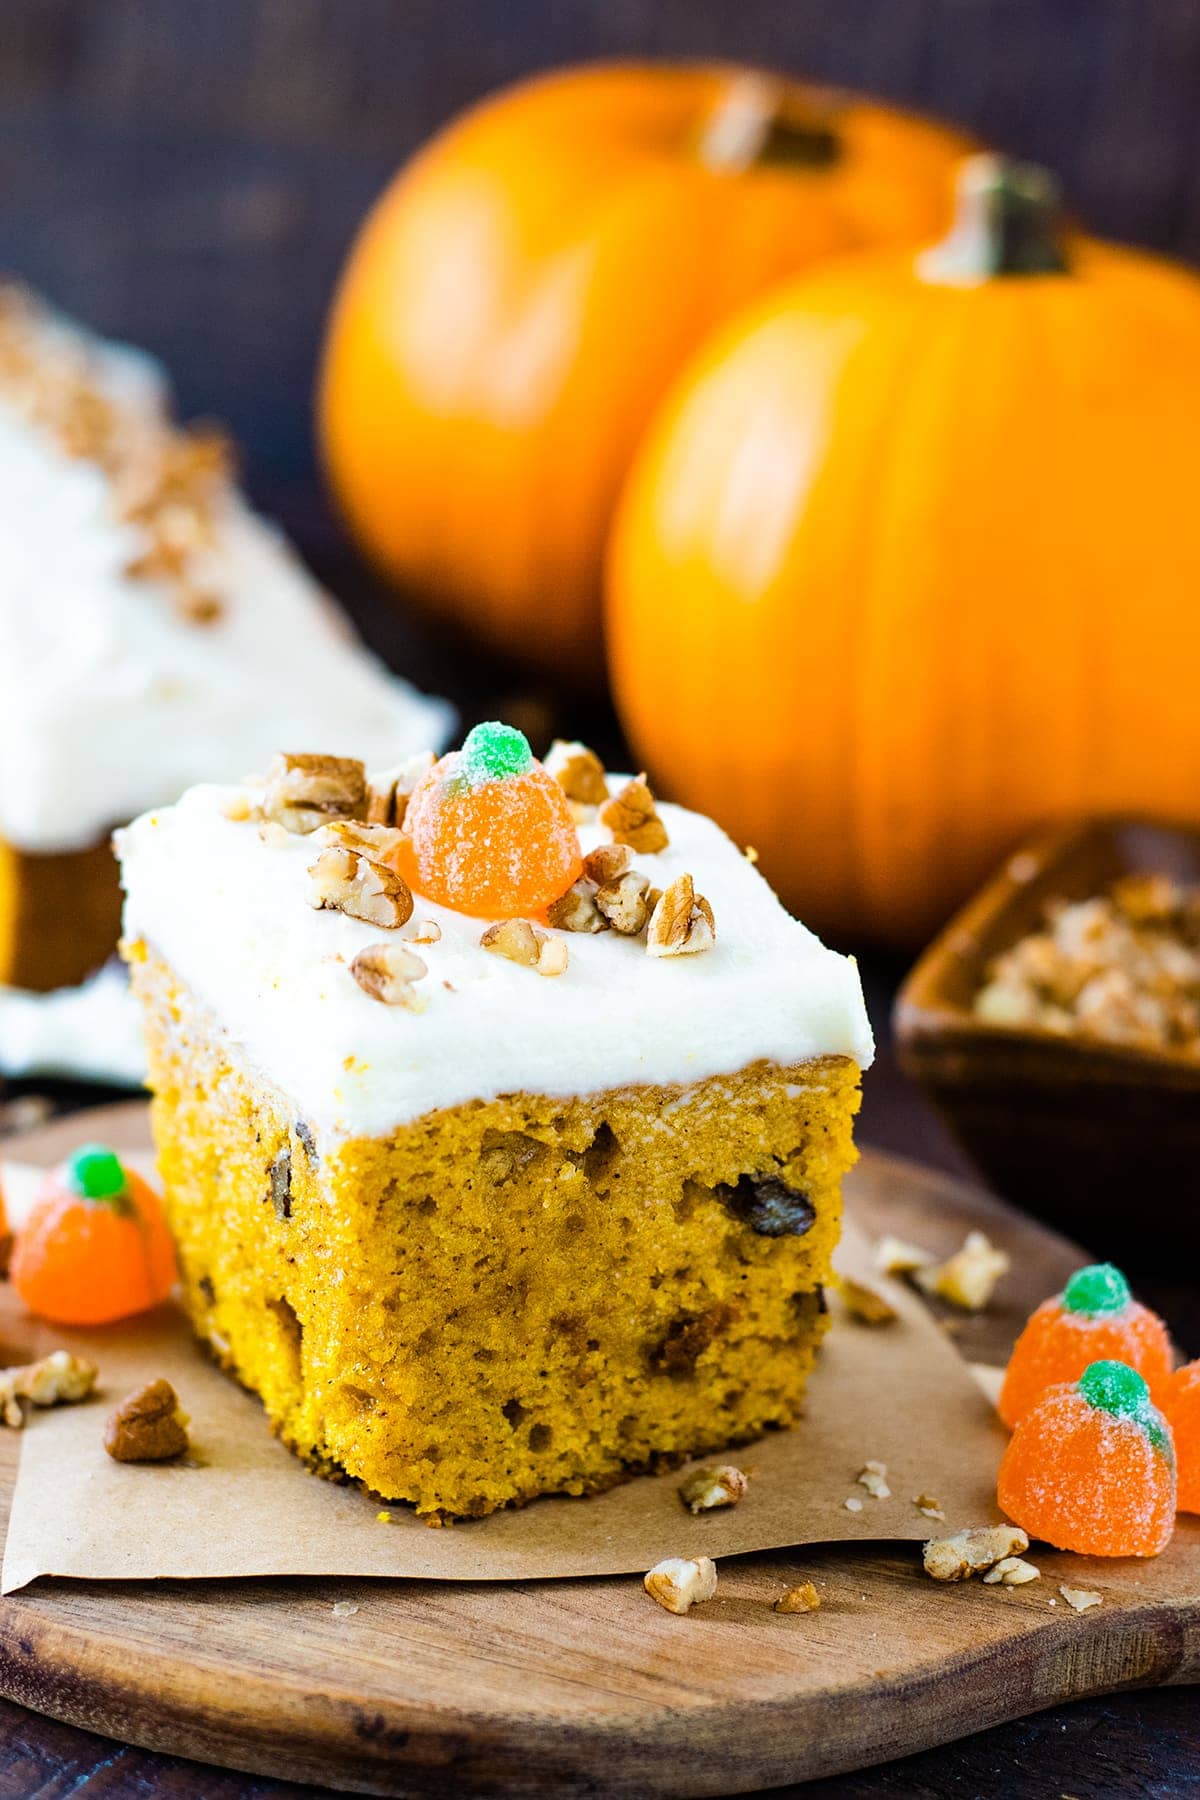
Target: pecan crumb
point(865, 1303)
point(803, 1598)
point(576, 910)
point(682, 921)
point(425, 931)
point(704, 1489)
point(895, 1257)
point(925, 1503)
point(1011, 1571)
point(357, 873)
point(972, 1551)
point(679, 1583)
point(387, 973)
point(1079, 1599)
point(149, 1426)
point(873, 1476)
point(853, 1503)
point(304, 792)
point(526, 944)
point(632, 817)
point(578, 772)
point(968, 1278)
point(59, 1379)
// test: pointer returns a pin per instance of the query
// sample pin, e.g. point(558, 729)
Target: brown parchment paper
point(897, 1393)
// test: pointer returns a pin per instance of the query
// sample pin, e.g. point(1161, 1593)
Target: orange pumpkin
point(520, 297)
point(910, 562)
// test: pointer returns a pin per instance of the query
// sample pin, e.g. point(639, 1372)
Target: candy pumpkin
point(520, 297)
point(910, 562)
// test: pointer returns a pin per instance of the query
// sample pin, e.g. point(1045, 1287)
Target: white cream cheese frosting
point(230, 913)
point(112, 699)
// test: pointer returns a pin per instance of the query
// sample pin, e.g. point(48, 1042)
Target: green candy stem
point(493, 752)
point(1096, 1292)
point(96, 1172)
point(1115, 1388)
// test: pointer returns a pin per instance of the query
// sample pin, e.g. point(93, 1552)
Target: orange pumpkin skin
point(520, 297)
point(906, 569)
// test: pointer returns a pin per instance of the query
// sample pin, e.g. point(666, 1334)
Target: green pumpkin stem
point(749, 126)
point(1007, 222)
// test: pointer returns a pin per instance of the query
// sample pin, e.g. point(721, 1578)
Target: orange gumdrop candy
point(1181, 1403)
point(1094, 1319)
point(1091, 1467)
point(488, 832)
point(95, 1246)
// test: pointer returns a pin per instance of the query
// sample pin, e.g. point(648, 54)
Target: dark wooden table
point(189, 176)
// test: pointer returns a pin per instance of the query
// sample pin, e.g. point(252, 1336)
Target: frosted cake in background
point(155, 632)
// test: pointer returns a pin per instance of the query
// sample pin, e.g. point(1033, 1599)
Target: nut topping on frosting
point(305, 792)
point(632, 817)
point(606, 862)
point(682, 921)
point(356, 874)
point(387, 793)
point(524, 943)
point(164, 480)
point(625, 902)
point(387, 973)
point(577, 909)
point(578, 772)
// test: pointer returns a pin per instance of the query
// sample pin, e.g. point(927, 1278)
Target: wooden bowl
point(1100, 1138)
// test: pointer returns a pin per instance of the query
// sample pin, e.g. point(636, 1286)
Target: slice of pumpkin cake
point(502, 1115)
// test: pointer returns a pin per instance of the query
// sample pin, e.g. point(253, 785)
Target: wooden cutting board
point(582, 1687)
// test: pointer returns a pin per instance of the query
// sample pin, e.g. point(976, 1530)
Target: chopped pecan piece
point(873, 1476)
point(524, 943)
point(356, 873)
point(704, 1489)
point(971, 1552)
point(865, 1303)
point(682, 922)
point(679, 1583)
point(606, 863)
point(578, 772)
point(577, 909)
point(801, 1599)
point(632, 817)
point(968, 1278)
point(304, 792)
point(1079, 1599)
point(388, 791)
point(895, 1257)
point(58, 1379)
point(625, 902)
point(1012, 1571)
point(149, 1426)
point(387, 972)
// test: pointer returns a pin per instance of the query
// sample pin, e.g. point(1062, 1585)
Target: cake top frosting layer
point(155, 630)
point(229, 903)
